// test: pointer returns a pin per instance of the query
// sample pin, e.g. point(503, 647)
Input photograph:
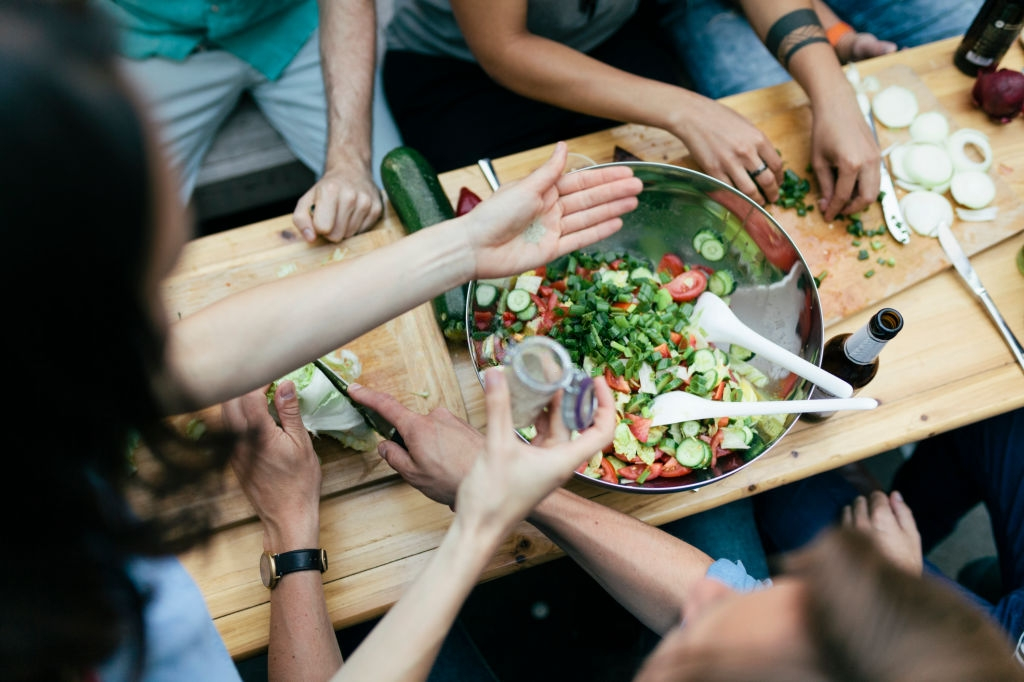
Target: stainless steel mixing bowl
point(775, 295)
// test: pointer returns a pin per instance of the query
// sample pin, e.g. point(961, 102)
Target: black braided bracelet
point(793, 31)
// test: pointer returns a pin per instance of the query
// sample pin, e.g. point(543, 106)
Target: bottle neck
point(861, 347)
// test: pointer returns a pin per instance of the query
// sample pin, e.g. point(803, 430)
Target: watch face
point(267, 569)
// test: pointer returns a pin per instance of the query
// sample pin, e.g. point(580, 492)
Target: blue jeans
point(724, 56)
point(948, 474)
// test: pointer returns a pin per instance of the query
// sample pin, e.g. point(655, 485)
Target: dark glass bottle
point(995, 27)
point(853, 357)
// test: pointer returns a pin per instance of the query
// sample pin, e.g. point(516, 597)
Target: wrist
point(277, 539)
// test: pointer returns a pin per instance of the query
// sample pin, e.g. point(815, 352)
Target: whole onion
point(1000, 94)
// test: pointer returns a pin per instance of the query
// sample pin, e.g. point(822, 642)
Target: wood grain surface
point(406, 357)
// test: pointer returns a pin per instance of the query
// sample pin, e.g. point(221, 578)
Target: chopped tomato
point(622, 305)
point(787, 384)
point(671, 468)
point(687, 286)
point(616, 383)
point(539, 302)
point(559, 285)
point(640, 426)
point(635, 471)
point(719, 391)
point(663, 349)
point(723, 422)
point(544, 290)
point(541, 272)
point(672, 264)
point(467, 200)
point(615, 264)
point(676, 338)
point(508, 318)
point(546, 322)
point(483, 319)
point(608, 471)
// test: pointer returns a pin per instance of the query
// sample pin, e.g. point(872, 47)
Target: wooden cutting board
point(785, 117)
point(406, 357)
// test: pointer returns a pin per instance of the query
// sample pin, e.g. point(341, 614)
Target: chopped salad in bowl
point(624, 310)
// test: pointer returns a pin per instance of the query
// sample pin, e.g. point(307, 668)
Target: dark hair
point(76, 201)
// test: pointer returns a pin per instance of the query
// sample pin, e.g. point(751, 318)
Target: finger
point(868, 186)
point(345, 221)
point(847, 517)
point(395, 412)
point(286, 401)
point(827, 184)
point(600, 433)
point(842, 192)
point(397, 457)
point(302, 217)
point(575, 183)
point(325, 212)
point(861, 518)
point(233, 416)
point(904, 515)
point(499, 413)
point(618, 193)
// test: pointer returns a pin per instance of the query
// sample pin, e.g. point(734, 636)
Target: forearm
point(405, 644)
point(814, 65)
point(348, 53)
point(256, 336)
point(646, 570)
point(303, 646)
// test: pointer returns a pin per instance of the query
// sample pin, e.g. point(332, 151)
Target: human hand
point(844, 155)
point(530, 222)
point(730, 148)
point(441, 447)
point(343, 202)
point(277, 467)
point(510, 477)
point(854, 47)
point(890, 523)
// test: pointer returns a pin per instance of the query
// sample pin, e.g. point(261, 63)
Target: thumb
point(286, 402)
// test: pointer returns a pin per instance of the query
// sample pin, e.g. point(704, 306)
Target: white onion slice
point(977, 215)
point(957, 143)
point(909, 186)
point(924, 210)
point(929, 126)
point(972, 188)
point(897, 154)
point(928, 164)
point(895, 106)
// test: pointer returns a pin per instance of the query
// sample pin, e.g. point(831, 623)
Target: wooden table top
point(948, 366)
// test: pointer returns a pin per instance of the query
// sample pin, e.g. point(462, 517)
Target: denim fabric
point(948, 474)
point(726, 532)
point(724, 56)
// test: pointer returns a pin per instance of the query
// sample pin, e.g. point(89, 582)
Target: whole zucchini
point(415, 193)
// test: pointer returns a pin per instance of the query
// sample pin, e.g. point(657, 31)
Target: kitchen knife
point(890, 203)
point(376, 421)
point(963, 266)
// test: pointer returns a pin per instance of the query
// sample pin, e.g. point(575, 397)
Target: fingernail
point(896, 496)
point(287, 391)
point(355, 386)
point(308, 234)
point(381, 449)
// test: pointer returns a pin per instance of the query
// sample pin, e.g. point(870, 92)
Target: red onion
point(1000, 94)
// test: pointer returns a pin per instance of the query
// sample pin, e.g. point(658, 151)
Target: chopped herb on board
point(869, 274)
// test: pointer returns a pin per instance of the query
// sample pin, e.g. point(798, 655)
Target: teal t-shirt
point(266, 34)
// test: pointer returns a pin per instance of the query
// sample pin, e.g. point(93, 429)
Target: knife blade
point(962, 264)
point(374, 418)
point(890, 203)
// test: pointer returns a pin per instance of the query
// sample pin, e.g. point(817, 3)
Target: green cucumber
point(721, 283)
point(518, 300)
point(415, 192)
point(693, 453)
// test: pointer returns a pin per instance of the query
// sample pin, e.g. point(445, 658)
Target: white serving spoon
point(721, 325)
point(680, 406)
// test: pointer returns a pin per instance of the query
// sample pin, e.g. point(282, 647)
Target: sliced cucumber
point(690, 429)
point(528, 313)
point(713, 249)
point(703, 360)
point(703, 235)
point(640, 274)
point(486, 295)
point(721, 282)
point(518, 300)
point(738, 352)
point(693, 453)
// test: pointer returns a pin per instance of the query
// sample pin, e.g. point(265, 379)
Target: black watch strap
point(301, 560)
point(274, 566)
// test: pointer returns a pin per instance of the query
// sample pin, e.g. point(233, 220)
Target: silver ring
point(754, 173)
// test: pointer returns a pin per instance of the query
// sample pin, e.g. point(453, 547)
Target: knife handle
point(1011, 340)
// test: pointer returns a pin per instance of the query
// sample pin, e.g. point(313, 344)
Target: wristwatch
point(273, 566)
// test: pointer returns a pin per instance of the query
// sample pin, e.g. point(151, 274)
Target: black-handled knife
point(374, 418)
